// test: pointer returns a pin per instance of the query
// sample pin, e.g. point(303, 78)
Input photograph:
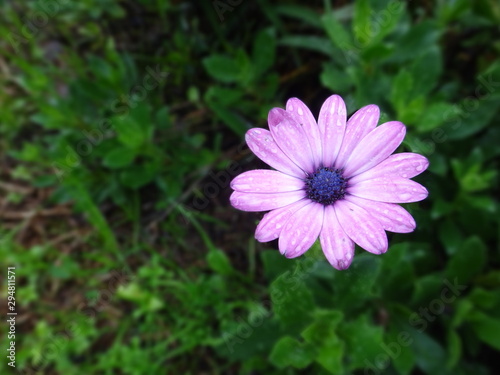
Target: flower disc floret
point(326, 186)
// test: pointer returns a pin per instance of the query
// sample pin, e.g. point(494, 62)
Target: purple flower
point(334, 179)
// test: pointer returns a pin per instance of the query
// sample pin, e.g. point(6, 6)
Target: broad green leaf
point(137, 176)
point(364, 341)
point(292, 301)
point(397, 345)
point(426, 289)
point(337, 33)
point(264, 51)
point(274, 264)
point(448, 11)
point(322, 335)
point(224, 95)
point(454, 348)
point(362, 21)
point(419, 39)
point(289, 352)
point(355, 285)
point(119, 157)
point(426, 71)
point(219, 262)
point(397, 276)
point(487, 300)
point(129, 131)
point(430, 356)
point(468, 261)
point(486, 328)
point(230, 119)
point(476, 115)
point(222, 68)
point(435, 115)
point(335, 79)
point(450, 236)
point(401, 90)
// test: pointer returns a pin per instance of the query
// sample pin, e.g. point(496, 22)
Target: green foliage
point(131, 116)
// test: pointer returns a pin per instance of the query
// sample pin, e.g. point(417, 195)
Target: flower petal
point(336, 244)
point(304, 117)
point(266, 181)
point(332, 124)
point(362, 227)
point(301, 230)
point(375, 147)
point(358, 126)
point(255, 202)
point(393, 217)
point(405, 165)
point(391, 190)
point(263, 145)
point(273, 222)
point(291, 138)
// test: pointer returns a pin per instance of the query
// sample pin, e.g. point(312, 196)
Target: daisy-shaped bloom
point(334, 179)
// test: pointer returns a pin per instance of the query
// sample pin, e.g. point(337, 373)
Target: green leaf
point(487, 300)
point(363, 341)
point(454, 349)
point(303, 13)
point(387, 20)
point(314, 43)
point(224, 95)
point(119, 157)
point(401, 90)
point(289, 352)
point(264, 51)
point(356, 281)
point(231, 119)
point(475, 115)
point(128, 131)
point(397, 276)
point(335, 79)
point(137, 176)
point(429, 354)
point(419, 39)
point(486, 328)
point(426, 289)
point(219, 262)
point(397, 345)
point(337, 32)
point(322, 335)
point(274, 264)
point(426, 71)
point(291, 299)
point(468, 261)
point(450, 236)
point(362, 22)
point(435, 115)
point(448, 11)
point(222, 68)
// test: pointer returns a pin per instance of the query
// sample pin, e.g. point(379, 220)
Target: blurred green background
point(121, 124)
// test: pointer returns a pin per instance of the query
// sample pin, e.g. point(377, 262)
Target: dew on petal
point(404, 196)
point(300, 111)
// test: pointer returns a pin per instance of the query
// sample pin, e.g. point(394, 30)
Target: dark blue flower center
point(326, 185)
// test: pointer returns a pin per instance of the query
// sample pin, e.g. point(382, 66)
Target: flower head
point(333, 179)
